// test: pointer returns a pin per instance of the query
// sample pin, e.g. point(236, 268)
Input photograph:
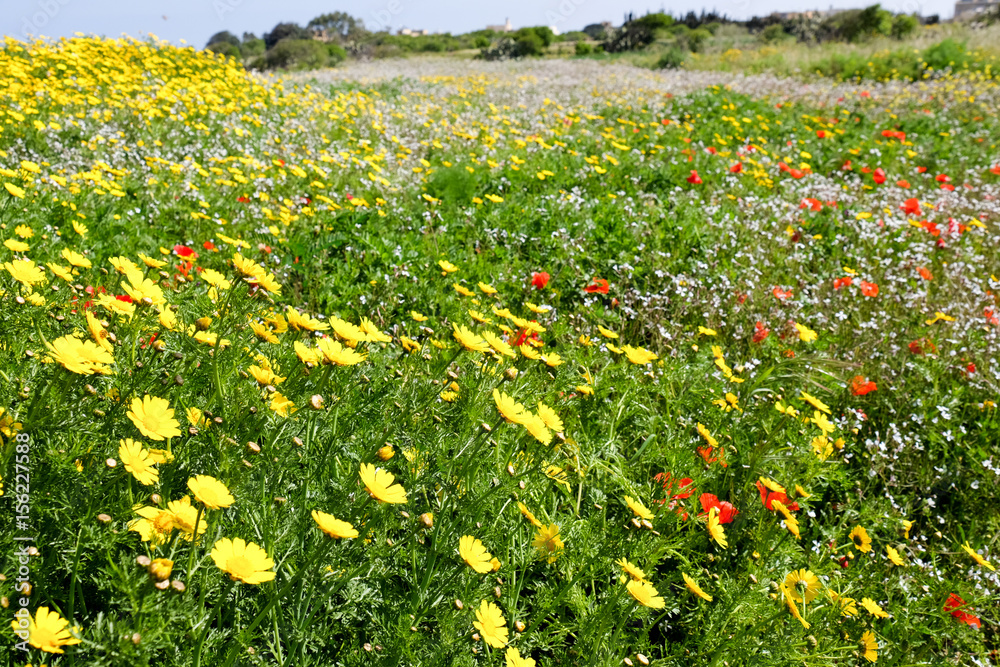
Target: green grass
point(350, 196)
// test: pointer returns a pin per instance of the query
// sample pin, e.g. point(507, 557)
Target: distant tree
point(865, 24)
point(285, 31)
point(294, 54)
point(254, 46)
point(224, 37)
point(773, 33)
point(655, 22)
point(340, 26)
point(904, 25)
point(226, 49)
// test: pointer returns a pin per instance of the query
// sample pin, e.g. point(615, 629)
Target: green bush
point(773, 33)
point(671, 59)
point(583, 49)
point(252, 47)
point(296, 54)
point(904, 25)
point(226, 49)
point(697, 38)
point(335, 54)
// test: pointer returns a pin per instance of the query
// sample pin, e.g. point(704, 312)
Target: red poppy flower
point(995, 170)
point(243, 199)
point(706, 453)
point(846, 281)
point(903, 184)
point(865, 93)
point(727, 512)
point(760, 332)
point(879, 176)
point(712, 150)
point(924, 273)
point(820, 134)
point(991, 317)
point(694, 178)
point(812, 204)
point(954, 604)
point(184, 251)
point(796, 173)
point(736, 168)
point(540, 280)
point(861, 385)
point(948, 186)
point(869, 289)
point(970, 369)
point(846, 166)
point(768, 496)
point(911, 207)
point(208, 245)
point(781, 294)
point(921, 170)
point(942, 178)
point(892, 134)
point(599, 286)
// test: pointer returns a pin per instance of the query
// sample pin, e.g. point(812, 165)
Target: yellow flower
point(869, 646)
point(607, 333)
point(802, 585)
point(336, 353)
point(380, 485)
point(486, 289)
point(861, 540)
point(80, 356)
point(47, 631)
point(529, 352)
point(25, 272)
point(873, 608)
point(243, 561)
point(76, 259)
point(638, 508)
point(907, 525)
point(549, 416)
point(145, 289)
point(815, 402)
point(464, 291)
point(695, 589)
point(63, 272)
point(848, 606)
point(474, 553)
point(705, 331)
point(418, 317)
point(552, 360)
point(510, 409)
point(210, 492)
point(703, 432)
point(792, 608)
point(301, 322)
point(80, 228)
point(806, 335)
point(151, 262)
point(17, 246)
point(645, 594)
point(528, 515)
point(512, 658)
point(154, 418)
point(334, 527)
point(791, 523)
point(447, 266)
point(548, 543)
point(469, 340)
point(894, 557)
point(536, 427)
point(824, 424)
point(161, 568)
point(14, 192)
point(498, 344)
point(215, 279)
point(282, 405)
point(490, 622)
point(631, 570)
point(638, 355)
point(715, 528)
point(138, 462)
point(976, 557)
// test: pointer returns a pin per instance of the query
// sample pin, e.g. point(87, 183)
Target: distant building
point(971, 8)
point(507, 27)
point(412, 33)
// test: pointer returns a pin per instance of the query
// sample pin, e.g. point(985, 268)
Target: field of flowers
point(545, 363)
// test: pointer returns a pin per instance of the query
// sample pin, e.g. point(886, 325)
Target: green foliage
point(672, 58)
point(296, 54)
point(291, 31)
point(864, 24)
point(773, 33)
point(904, 25)
point(225, 48)
point(251, 48)
point(582, 49)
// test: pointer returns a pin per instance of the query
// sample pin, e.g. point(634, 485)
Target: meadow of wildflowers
point(516, 364)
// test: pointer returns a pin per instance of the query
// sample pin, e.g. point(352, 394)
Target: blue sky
point(196, 20)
